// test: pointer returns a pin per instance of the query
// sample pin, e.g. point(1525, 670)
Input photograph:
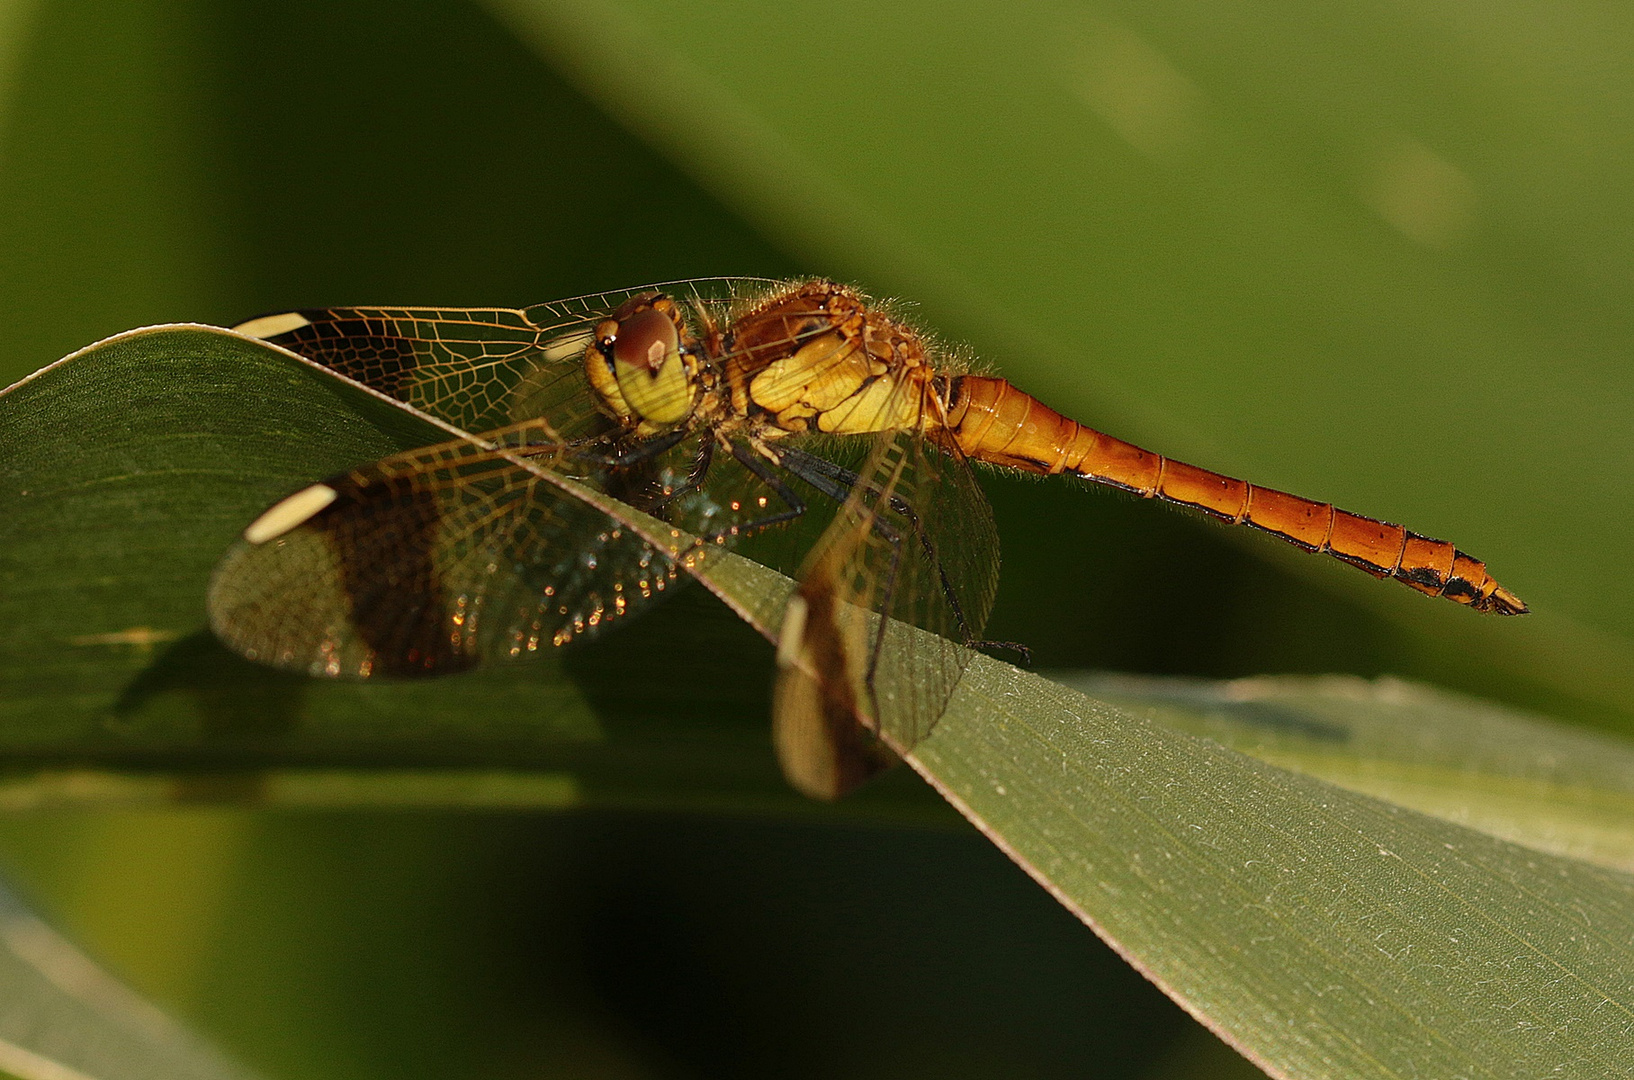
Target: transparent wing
point(475, 551)
point(480, 368)
point(428, 562)
point(892, 596)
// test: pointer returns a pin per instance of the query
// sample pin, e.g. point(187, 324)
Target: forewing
point(434, 561)
point(479, 368)
point(460, 365)
point(894, 594)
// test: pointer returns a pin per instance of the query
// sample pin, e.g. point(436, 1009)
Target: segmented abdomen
point(994, 422)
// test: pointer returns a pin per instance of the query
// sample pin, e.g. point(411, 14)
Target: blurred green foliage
point(1376, 255)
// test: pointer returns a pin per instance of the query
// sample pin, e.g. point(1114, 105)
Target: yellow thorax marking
point(837, 381)
point(889, 403)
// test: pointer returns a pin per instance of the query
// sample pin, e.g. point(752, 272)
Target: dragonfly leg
point(794, 505)
point(630, 455)
point(1024, 655)
point(887, 598)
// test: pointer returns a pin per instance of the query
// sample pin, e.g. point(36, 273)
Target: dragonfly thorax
point(636, 364)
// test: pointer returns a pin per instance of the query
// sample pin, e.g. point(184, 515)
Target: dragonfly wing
point(485, 548)
point(432, 561)
point(461, 365)
point(818, 729)
point(895, 592)
point(479, 368)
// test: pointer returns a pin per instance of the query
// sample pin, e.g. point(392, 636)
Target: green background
point(1379, 256)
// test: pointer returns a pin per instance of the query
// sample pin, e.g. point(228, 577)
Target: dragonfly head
point(637, 364)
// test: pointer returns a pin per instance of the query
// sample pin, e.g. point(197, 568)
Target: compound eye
point(644, 341)
point(653, 376)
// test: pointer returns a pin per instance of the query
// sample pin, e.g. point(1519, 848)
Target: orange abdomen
point(994, 422)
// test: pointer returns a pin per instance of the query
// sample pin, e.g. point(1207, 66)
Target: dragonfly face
point(611, 444)
point(637, 364)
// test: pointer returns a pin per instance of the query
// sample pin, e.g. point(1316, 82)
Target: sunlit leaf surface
point(1321, 932)
point(1558, 790)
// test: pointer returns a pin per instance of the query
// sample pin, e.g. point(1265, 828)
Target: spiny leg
point(642, 451)
point(794, 505)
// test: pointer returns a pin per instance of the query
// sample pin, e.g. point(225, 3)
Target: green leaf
point(64, 1018)
point(1321, 931)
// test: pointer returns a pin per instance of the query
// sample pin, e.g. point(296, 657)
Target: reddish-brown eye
point(644, 340)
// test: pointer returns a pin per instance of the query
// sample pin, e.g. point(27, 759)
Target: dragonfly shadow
point(1200, 706)
point(233, 699)
point(1279, 720)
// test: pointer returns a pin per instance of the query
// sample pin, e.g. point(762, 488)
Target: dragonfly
point(603, 449)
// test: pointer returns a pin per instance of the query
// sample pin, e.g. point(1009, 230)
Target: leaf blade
point(1259, 899)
